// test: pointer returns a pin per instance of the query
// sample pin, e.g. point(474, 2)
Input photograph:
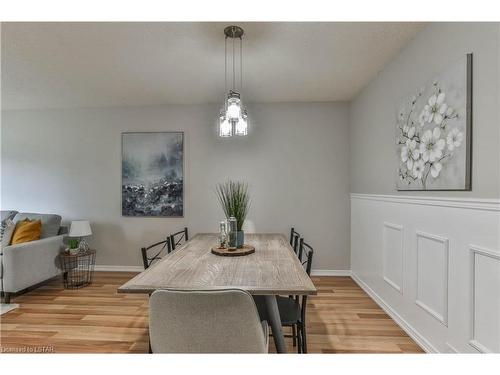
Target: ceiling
point(59, 65)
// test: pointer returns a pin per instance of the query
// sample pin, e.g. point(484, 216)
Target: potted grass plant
point(235, 202)
point(72, 246)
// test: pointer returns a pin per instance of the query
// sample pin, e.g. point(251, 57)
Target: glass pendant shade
point(233, 106)
point(225, 127)
point(241, 127)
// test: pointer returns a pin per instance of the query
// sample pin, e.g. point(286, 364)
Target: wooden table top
point(272, 269)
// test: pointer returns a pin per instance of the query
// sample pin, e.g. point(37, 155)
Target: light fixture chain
point(225, 71)
point(233, 61)
point(241, 63)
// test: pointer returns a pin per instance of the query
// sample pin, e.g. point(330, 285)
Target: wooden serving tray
point(225, 252)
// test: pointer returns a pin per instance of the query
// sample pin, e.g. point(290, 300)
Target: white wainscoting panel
point(485, 324)
point(393, 255)
point(450, 298)
point(432, 275)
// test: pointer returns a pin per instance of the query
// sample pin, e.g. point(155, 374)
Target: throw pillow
point(26, 230)
point(6, 231)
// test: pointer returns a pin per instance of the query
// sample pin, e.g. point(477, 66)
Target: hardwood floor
point(342, 318)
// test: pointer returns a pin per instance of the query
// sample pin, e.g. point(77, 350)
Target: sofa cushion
point(50, 222)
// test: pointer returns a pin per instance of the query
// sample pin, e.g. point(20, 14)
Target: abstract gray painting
point(153, 174)
point(433, 132)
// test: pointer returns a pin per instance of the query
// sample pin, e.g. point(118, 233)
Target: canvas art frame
point(434, 133)
point(163, 188)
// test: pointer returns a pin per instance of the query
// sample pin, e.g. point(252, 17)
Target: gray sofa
point(30, 263)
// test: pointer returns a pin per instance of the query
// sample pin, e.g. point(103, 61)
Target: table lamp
point(80, 229)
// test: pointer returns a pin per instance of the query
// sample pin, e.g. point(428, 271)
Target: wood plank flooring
point(341, 318)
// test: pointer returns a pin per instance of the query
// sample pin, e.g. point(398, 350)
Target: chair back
point(216, 321)
point(294, 240)
point(154, 252)
point(178, 238)
point(306, 255)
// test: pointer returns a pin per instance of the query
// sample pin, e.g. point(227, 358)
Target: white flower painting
point(433, 133)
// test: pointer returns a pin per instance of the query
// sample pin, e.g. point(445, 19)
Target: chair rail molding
point(457, 202)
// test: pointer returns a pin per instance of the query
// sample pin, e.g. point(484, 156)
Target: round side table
point(78, 269)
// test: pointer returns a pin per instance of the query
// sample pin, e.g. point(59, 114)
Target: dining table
point(272, 270)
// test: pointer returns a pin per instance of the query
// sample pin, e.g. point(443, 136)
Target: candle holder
point(223, 234)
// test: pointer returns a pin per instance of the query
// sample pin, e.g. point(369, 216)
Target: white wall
point(432, 263)
point(373, 113)
point(295, 159)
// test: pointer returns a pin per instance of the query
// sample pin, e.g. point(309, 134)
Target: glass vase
point(232, 234)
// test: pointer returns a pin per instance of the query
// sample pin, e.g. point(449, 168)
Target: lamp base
point(83, 246)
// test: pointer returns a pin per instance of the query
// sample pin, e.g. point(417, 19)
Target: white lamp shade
point(80, 228)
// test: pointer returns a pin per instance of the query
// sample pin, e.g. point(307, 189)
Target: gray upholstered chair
point(218, 321)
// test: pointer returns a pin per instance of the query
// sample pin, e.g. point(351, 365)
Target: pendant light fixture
point(233, 118)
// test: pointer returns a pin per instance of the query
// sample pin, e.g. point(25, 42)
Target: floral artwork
point(433, 133)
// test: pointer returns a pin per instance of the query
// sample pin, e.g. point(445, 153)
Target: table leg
point(273, 315)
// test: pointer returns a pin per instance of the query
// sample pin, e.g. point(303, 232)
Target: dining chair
point(293, 309)
point(158, 251)
point(215, 321)
point(177, 238)
point(294, 243)
point(294, 240)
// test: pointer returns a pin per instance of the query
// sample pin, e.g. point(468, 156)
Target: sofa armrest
point(30, 263)
point(30, 246)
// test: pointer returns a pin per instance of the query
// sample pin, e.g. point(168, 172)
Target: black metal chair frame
point(299, 327)
point(147, 260)
point(182, 235)
point(294, 240)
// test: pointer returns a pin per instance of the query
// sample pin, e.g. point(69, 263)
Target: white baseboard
point(119, 268)
point(412, 332)
point(331, 273)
